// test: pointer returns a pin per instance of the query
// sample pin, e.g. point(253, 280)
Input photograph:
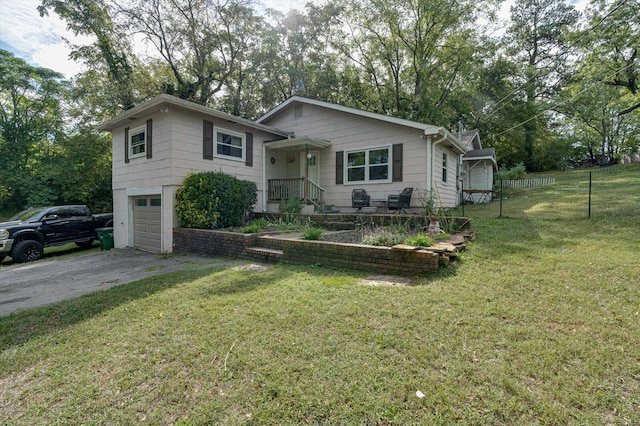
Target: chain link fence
point(593, 192)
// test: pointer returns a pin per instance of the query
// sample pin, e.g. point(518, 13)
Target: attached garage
point(147, 223)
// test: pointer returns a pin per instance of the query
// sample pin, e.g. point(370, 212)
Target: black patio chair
point(399, 202)
point(360, 198)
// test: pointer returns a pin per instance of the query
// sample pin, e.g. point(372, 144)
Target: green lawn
point(539, 323)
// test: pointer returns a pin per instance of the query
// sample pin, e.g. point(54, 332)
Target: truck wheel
point(85, 244)
point(27, 251)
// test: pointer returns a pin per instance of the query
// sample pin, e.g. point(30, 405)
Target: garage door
point(147, 228)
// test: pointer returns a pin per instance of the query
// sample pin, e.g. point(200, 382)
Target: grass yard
point(538, 324)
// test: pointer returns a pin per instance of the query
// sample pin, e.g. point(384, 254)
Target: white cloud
point(38, 40)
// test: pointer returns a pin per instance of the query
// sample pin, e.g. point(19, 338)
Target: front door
point(309, 165)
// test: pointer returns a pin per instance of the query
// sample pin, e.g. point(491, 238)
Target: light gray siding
point(177, 151)
point(347, 132)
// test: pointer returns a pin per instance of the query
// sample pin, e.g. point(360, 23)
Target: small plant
point(290, 206)
point(288, 222)
point(450, 225)
point(442, 236)
point(255, 226)
point(427, 201)
point(312, 233)
point(420, 240)
point(383, 237)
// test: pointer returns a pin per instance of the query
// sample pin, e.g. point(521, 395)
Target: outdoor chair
point(399, 202)
point(360, 198)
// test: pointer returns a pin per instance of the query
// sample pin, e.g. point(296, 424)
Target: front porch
point(303, 189)
point(292, 171)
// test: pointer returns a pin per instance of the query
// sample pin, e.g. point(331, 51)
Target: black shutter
point(149, 137)
point(339, 167)
point(249, 147)
point(126, 145)
point(207, 140)
point(397, 163)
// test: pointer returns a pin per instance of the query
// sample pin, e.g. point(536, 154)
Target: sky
point(41, 40)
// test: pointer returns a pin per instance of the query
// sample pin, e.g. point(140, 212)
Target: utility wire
point(498, 105)
point(561, 102)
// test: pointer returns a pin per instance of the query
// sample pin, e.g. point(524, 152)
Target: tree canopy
point(546, 84)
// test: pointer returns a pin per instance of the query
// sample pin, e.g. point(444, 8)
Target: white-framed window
point(229, 144)
point(138, 142)
point(368, 165)
point(444, 167)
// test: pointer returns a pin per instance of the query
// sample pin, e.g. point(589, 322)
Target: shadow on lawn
point(20, 327)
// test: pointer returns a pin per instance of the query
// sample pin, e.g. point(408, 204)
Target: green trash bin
point(105, 235)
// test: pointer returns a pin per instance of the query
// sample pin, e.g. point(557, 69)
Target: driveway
point(47, 281)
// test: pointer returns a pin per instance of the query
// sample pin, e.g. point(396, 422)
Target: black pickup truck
point(26, 234)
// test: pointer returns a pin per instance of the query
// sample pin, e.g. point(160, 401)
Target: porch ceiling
point(295, 144)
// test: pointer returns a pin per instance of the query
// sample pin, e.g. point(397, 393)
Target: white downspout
point(431, 152)
point(265, 189)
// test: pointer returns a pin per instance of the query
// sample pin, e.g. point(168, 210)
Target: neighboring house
point(313, 150)
point(478, 165)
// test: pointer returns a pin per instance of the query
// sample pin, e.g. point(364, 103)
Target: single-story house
point(314, 150)
point(478, 165)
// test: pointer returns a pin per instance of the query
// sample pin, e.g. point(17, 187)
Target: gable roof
point(164, 101)
point(471, 139)
point(481, 154)
point(428, 129)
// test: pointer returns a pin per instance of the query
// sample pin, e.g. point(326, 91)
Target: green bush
point(420, 240)
point(516, 172)
point(312, 234)
point(212, 200)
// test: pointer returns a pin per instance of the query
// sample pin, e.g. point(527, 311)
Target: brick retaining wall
point(213, 243)
point(381, 260)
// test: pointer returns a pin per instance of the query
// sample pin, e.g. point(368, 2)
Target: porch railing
point(302, 188)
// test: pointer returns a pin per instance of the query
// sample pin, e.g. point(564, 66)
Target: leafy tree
point(537, 39)
point(201, 41)
point(414, 53)
point(30, 122)
point(83, 169)
point(110, 53)
point(612, 49)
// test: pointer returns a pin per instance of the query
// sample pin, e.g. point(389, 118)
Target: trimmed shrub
point(212, 200)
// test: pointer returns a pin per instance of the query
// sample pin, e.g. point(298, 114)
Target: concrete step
point(265, 254)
